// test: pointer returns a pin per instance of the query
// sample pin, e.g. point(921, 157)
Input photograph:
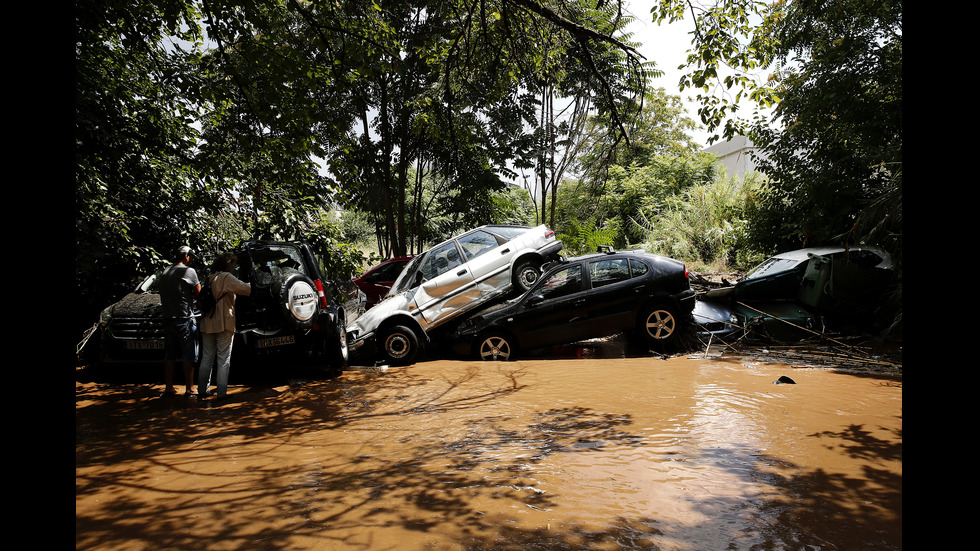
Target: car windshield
point(151, 284)
point(404, 281)
point(772, 266)
point(270, 262)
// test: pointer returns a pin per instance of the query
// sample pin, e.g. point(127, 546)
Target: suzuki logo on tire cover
point(302, 300)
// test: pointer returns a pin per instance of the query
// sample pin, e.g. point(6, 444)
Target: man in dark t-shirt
point(179, 287)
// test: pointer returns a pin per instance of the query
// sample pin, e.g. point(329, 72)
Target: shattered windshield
point(273, 262)
point(404, 281)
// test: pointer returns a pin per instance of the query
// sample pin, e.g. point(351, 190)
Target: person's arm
point(238, 286)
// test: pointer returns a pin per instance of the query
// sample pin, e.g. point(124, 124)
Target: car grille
point(136, 328)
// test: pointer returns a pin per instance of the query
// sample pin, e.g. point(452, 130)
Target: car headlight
point(106, 316)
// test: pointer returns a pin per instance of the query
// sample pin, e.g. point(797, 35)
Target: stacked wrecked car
point(804, 293)
point(450, 280)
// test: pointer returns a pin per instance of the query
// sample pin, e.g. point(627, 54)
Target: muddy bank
point(584, 452)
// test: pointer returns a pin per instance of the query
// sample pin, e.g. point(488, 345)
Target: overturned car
point(441, 285)
point(797, 294)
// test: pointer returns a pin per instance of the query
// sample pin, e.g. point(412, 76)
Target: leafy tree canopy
point(826, 78)
point(209, 121)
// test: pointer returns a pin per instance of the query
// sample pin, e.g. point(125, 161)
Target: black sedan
point(581, 298)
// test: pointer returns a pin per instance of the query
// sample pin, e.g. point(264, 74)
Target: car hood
point(481, 319)
point(369, 321)
point(137, 305)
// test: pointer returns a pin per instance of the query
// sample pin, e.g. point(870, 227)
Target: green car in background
point(802, 293)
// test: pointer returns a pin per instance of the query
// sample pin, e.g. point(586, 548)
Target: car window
point(509, 232)
point(387, 272)
point(608, 271)
point(270, 263)
point(477, 243)
point(440, 261)
point(562, 283)
point(638, 268)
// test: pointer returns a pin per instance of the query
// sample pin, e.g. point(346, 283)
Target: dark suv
point(293, 313)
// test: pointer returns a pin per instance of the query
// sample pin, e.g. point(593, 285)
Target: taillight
point(548, 233)
point(319, 293)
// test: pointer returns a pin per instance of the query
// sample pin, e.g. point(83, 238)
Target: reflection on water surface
point(614, 453)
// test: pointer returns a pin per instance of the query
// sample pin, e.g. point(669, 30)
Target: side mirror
point(535, 300)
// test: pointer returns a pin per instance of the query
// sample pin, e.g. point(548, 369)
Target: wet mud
point(587, 451)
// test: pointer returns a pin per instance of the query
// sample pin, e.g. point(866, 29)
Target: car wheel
point(659, 325)
point(400, 345)
point(298, 301)
point(496, 346)
point(337, 352)
point(526, 274)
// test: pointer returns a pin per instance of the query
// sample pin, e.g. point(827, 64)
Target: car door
point(554, 310)
point(617, 287)
point(446, 284)
point(488, 260)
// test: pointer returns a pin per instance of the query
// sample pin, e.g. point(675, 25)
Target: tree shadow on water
point(304, 482)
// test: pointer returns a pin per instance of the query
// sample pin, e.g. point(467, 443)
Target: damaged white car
point(449, 280)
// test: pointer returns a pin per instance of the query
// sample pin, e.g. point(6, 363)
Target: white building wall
point(734, 155)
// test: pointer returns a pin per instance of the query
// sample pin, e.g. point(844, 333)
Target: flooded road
point(683, 453)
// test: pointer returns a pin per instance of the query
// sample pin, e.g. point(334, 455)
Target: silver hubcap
point(528, 277)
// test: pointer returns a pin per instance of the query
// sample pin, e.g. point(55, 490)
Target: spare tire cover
point(299, 300)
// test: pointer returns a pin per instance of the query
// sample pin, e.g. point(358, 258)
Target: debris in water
point(784, 380)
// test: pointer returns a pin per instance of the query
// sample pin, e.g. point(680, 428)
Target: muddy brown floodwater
point(683, 453)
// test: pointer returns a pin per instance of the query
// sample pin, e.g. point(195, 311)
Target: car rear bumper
point(552, 251)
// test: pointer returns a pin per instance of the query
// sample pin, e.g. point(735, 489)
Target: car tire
point(659, 324)
point(496, 347)
point(337, 352)
point(298, 301)
point(399, 345)
point(526, 274)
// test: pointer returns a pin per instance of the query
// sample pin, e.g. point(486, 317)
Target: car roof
point(804, 254)
point(636, 252)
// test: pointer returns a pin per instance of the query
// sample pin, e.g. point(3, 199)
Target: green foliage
point(836, 163)
point(825, 81)
point(707, 224)
point(136, 190)
point(630, 195)
point(584, 237)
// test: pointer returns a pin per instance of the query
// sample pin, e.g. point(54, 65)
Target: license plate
point(275, 341)
point(144, 345)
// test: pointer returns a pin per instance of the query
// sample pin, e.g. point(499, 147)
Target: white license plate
point(275, 341)
point(144, 345)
